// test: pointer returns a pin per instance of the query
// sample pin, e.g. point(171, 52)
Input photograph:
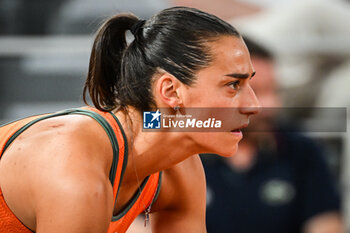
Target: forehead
point(230, 54)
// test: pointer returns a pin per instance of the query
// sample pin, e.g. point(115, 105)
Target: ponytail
point(174, 40)
point(105, 62)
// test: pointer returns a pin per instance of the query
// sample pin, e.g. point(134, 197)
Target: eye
point(235, 85)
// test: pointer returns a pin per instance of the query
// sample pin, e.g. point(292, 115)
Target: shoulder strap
point(103, 122)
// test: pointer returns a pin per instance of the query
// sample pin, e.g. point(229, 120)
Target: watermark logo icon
point(151, 120)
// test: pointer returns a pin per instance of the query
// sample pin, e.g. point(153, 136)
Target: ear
point(167, 90)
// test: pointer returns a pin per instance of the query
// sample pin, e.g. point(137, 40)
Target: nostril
point(258, 109)
point(250, 104)
point(250, 110)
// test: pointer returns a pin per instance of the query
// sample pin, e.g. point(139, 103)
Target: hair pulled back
point(174, 40)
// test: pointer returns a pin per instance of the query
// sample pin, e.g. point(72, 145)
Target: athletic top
point(140, 202)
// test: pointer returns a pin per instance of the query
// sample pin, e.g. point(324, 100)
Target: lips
point(239, 128)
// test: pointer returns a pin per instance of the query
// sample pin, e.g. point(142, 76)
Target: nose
point(250, 104)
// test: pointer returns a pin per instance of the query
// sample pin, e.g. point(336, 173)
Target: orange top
point(141, 201)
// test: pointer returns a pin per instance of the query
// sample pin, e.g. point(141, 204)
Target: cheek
point(223, 144)
point(210, 99)
point(200, 96)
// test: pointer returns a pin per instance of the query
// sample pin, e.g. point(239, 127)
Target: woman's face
point(224, 84)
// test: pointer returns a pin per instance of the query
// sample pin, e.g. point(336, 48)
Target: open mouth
point(237, 130)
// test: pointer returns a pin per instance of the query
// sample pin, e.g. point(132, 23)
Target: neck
point(150, 152)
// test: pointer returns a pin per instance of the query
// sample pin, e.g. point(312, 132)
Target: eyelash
point(235, 85)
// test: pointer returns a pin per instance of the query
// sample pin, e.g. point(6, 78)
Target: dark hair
point(256, 49)
point(173, 40)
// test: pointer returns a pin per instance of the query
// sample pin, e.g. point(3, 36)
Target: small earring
point(176, 108)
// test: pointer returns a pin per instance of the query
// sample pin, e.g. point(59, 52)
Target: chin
point(224, 146)
point(228, 145)
point(229, 152)
point(221, 143)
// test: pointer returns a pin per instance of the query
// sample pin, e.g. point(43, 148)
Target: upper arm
point(56, 176)
point(181, 204)
point(72, 191)
point(74, 205)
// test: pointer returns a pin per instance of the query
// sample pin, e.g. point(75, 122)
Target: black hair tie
point(137, 26)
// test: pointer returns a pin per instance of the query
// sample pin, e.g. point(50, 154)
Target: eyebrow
point(240, 76)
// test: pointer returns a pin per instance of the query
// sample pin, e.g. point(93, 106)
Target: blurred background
point(45, 47)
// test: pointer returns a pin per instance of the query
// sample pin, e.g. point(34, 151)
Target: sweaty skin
point(64, 162)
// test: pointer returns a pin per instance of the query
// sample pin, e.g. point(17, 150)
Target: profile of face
point(266, 89)
point(225, 83)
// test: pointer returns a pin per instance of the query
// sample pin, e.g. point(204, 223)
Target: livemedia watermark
point(233, 119)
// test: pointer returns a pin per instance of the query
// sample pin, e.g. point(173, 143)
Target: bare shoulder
point(73, 136)
point(182, 184)
point(76, 201)
point(51, 157)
